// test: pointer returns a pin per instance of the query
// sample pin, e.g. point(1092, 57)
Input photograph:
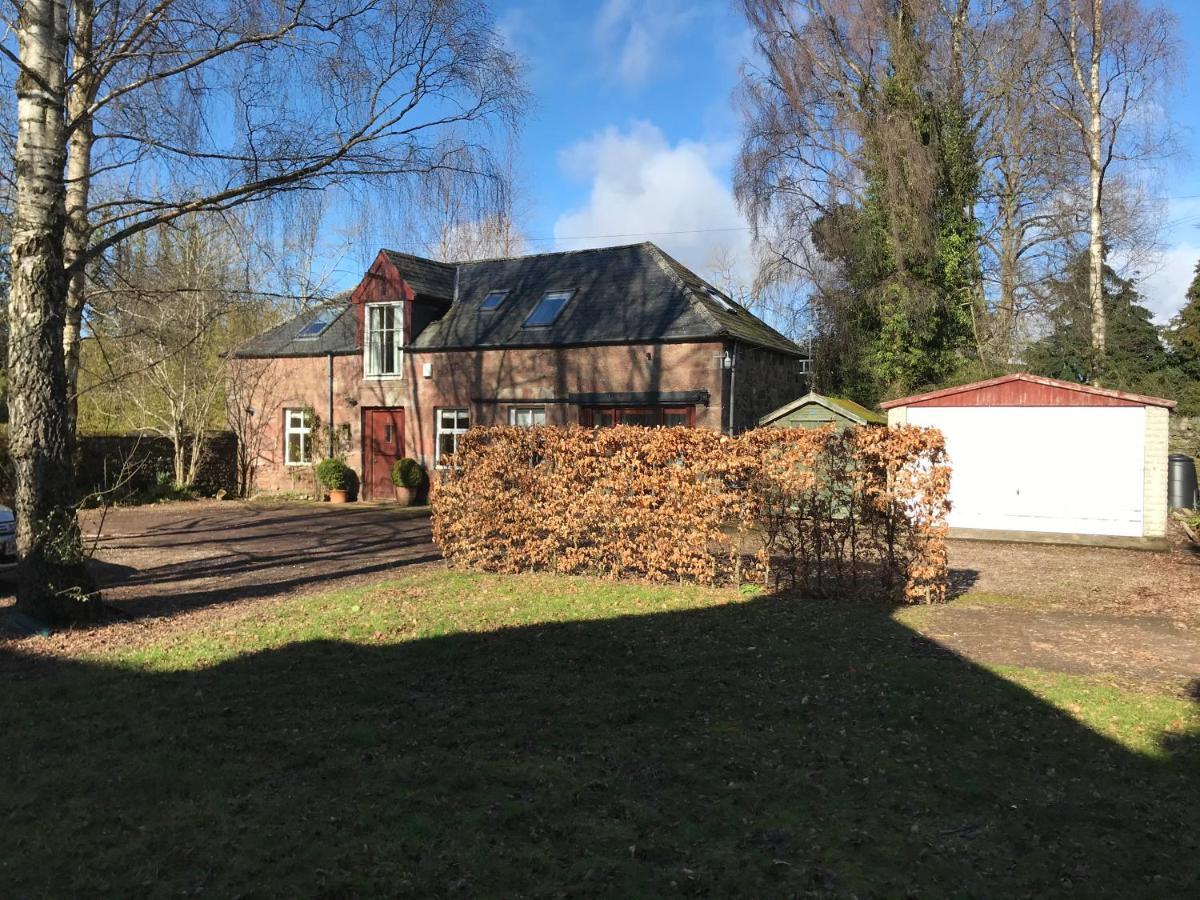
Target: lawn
point(483, 736)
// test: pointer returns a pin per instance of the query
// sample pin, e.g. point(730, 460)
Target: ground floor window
point(450, 424)
point(649, 416)
point(297, 437)
point(527, 416)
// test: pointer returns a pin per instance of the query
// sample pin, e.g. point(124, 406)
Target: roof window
point(720, 298)
point(548, 309)
point(316, 326)
point(492, 300)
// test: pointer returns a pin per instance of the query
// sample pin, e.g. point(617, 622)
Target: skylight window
point(716, 295)
point(493, 300)
point(316, 326)
point(548, 308)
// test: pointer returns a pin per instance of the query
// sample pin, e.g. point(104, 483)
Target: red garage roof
point(1023, 389)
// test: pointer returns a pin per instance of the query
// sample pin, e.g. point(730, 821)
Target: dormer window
point(548, 309)
point(383, 339)
point(492, 300)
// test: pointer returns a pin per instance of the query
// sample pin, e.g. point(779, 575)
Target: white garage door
point(1056, 469)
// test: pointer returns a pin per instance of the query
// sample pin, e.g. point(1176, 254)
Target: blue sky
point(634, 130)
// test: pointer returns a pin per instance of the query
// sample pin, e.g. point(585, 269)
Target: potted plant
point(333, 474)
point(408, 476)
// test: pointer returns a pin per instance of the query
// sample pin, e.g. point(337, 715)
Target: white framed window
point(383, 339)
point(548, 309)
point(493, 300)
point(526, 416)
point(451, 423)
point(297, 437)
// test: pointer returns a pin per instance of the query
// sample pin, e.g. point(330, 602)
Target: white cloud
point(1163, 290)
point(642, 186)
point(633, 38)
point(1164, 283)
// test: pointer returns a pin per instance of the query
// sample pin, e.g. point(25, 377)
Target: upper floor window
point(493, 300)
point(548, 309)
point(384, 338)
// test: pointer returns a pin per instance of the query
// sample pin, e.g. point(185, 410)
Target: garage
point(1033, 454)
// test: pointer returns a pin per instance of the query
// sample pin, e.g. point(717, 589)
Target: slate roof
point(630, 294)
point(425, 276)
point(340, 338)
point(621, 294)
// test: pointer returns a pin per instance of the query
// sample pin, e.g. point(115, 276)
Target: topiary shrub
point(408, 473)
point(333, 473)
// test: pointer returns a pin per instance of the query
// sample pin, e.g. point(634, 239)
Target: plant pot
point(405, 496)
point(338, 496)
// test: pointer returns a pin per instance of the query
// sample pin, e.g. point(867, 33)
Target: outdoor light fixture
point(250, 410)
point(726, 361)
point(351, 402)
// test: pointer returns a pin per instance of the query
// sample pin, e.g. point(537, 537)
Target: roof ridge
point(428, 259)
point(470, 262)
point(1046, 380)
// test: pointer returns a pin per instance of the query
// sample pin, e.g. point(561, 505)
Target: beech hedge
point(856, 511)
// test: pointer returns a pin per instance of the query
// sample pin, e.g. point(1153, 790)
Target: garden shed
point(1033, 454)
point(816, 411)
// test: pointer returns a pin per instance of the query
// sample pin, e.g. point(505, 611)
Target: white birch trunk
point(1096, 179)
point(51, 577)
point(78, 190)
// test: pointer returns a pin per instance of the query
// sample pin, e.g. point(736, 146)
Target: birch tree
point(133, 115)
point(1113, 61)
point(180, 300)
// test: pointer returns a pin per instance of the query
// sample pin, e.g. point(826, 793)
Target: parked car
point(8, 539)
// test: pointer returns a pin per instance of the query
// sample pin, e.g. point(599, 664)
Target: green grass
point(498, 736)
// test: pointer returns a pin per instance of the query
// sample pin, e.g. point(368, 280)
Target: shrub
point(408, 473)
point(333, 473)
point(818, 511)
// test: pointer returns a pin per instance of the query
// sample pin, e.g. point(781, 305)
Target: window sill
point(296, 465)
point(399, 376)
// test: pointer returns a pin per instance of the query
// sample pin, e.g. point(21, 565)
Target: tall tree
point(1183, 334)
point(180, 301)
point(173, 107)
point(1112, 62)
point(859, 166)
point(52, 582)
point(1133, 351)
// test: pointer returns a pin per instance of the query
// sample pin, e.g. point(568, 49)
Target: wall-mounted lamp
point(250, 410)
point(351, 402)
point(726, 361)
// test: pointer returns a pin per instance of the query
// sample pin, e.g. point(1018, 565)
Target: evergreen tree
point(907, 256)
point(1134, 353)
point(1183, 334)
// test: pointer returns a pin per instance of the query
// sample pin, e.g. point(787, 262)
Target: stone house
point(422, 350)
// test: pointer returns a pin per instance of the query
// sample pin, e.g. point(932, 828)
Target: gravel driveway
point(160, 560)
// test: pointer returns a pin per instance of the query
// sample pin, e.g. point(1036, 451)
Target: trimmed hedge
point(823, 511)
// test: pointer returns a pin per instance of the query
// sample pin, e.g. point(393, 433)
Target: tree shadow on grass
point(770, 747)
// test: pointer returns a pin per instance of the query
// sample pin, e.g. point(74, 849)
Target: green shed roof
point(855, 412)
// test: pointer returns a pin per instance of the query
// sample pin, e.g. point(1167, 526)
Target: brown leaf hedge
point(822, 512)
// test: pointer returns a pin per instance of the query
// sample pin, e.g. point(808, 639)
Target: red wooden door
point(383, 444)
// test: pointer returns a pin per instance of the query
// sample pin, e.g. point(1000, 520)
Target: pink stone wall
point(486, 382)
